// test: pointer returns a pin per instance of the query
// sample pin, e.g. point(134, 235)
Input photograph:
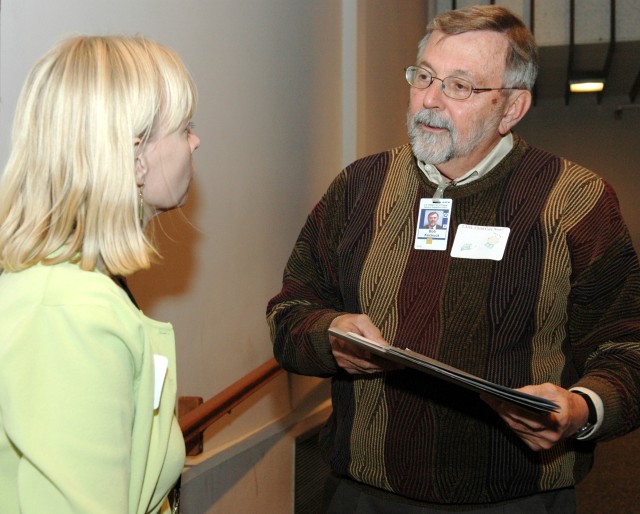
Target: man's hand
point(543, 431)
point(349, 357)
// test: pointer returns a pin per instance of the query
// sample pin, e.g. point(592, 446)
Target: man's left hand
point(543, 431)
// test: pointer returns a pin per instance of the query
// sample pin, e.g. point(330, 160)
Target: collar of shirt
point(480, 169)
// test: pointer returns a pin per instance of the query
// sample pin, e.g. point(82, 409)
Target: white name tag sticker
point(160, 366)
point(478, 242)
point(432, 231)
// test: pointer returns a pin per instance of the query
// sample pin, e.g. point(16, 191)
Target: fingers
point(537, 435)
point(351, 358)
point(537, 431)
point(358, 366)
point(359, 324)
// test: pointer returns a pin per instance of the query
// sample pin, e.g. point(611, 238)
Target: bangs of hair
point(177, 89)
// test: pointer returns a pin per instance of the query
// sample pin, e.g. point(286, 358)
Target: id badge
point(432, 231)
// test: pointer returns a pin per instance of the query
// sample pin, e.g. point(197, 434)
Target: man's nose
point(433, 95)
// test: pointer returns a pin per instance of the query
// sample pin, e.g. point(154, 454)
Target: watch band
point(592, 419)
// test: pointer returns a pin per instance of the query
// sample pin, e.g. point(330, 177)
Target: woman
point(102, 141)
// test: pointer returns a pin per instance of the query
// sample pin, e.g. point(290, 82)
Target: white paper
point(160, 366)
point(479, 242)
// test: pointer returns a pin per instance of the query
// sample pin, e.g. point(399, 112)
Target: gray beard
point(427, 147)
point(438, 148)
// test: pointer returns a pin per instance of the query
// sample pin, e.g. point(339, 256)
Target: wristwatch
point(593, 415)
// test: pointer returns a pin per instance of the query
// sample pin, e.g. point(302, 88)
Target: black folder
point(441, 370)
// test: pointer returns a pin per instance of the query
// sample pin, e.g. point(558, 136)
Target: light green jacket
point(78, 428)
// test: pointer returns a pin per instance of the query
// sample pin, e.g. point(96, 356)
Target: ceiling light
point(586, 85)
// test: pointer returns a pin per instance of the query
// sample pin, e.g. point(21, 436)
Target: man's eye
point(458, 85)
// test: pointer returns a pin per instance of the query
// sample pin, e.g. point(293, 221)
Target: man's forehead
point(487, 37)
point(468, 53)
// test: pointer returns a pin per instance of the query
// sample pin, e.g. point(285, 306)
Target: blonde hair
point(68, 191)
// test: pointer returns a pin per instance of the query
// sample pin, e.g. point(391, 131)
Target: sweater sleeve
point(310, 299)
point(70, 375)
point(604, 322)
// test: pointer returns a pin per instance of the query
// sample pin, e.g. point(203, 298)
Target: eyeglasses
point(453, 87)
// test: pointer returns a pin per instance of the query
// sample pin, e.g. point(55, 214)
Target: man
point(544, 306)
point(432, 221)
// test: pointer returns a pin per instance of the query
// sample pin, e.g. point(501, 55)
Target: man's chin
point(431, 148)
point(429, 156)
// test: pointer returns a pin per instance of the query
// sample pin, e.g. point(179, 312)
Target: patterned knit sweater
point(562, 306)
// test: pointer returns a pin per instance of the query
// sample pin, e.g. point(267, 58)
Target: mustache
point(433, 119)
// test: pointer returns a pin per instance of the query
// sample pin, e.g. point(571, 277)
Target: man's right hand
point(352, 359)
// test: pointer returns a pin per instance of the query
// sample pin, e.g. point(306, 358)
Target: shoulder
point(555, 174)
point(573, 192)
point(533, 158)
point(69, 301)
point(367, 174)
point(65, 284)
point(401, 155)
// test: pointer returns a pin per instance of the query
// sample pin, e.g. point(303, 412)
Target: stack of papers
point(438, 369)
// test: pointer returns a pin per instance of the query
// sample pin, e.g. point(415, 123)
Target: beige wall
point(269, 117)
point(270, 80)
point(388, 36)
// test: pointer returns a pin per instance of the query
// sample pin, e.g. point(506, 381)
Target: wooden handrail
point(195, 422)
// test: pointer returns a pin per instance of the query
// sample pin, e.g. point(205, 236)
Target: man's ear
point(517, 106)
point(140, 163)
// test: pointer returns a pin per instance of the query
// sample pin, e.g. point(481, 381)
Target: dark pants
point(344, 496)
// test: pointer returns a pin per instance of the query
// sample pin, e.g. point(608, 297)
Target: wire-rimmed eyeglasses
point(453, 87)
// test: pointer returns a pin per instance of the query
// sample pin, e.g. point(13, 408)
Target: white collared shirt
point(483, 167)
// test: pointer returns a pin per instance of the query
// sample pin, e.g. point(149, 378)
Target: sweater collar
point(498, 153)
